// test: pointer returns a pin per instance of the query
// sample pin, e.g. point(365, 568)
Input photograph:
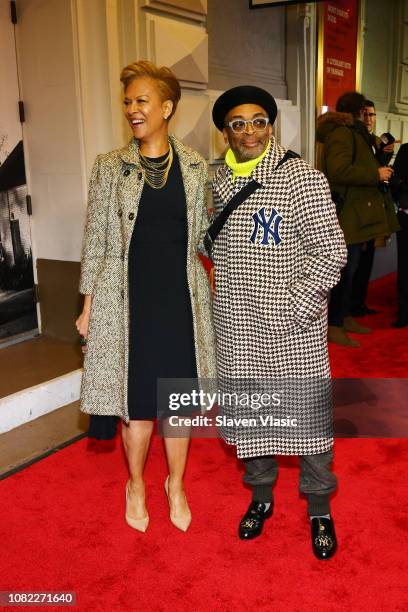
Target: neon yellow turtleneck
point(243, 168)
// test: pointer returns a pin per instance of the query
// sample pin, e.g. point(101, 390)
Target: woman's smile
point(136, 124)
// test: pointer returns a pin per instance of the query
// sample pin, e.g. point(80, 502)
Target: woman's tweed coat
point(115, 189)
point(270, 305)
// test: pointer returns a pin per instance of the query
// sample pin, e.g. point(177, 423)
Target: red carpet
point(62, 525)
point(382, 354)
point(63, 529)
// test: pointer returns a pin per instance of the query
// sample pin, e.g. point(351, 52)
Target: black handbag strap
point(236, 200)
point(244, 193)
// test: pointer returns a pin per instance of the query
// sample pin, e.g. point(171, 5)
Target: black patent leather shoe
point(324, 541)
point(252, 522)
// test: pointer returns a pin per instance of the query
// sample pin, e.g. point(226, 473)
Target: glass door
point(18, 313)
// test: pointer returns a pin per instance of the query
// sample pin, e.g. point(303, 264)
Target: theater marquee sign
point(339, 51)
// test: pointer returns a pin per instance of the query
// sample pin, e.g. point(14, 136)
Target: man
point(363, 272)
point(275, 259)
point(400, 193)
point(367, 212)
point(384, 153)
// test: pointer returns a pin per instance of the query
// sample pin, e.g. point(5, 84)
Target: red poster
point(340, 28)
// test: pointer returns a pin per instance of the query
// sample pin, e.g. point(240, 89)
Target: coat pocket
point(278, 312)
point(369, 212)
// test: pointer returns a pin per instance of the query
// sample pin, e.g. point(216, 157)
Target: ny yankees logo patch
point(269, 226)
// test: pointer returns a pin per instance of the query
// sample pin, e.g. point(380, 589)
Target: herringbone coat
point(115, 189)
point(270, 305)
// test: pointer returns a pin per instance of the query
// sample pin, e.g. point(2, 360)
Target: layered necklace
point(156, 172)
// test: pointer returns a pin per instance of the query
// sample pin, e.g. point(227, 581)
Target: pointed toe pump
point(139, 524)
point(180, 520)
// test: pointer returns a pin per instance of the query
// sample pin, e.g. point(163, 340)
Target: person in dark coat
point(365, 211)
point(400, 193)
point(361, 278)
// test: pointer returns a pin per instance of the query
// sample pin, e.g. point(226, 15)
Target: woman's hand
point(82, 322)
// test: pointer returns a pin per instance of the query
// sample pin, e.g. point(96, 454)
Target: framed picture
point(256, 4)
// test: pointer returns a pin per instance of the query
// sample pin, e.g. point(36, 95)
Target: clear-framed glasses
point(239, 125)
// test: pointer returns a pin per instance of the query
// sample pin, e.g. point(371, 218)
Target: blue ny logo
point(270, 227)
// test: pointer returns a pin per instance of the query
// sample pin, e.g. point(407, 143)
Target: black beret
point(244, 94)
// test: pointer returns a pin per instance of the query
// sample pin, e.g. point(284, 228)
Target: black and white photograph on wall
point(18, 312)
point(17, 305)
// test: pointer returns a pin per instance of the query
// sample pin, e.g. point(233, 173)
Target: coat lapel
point(263, 172)
point(223, 185)
point(130, 187)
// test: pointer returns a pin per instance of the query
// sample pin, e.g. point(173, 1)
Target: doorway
point(18, 312)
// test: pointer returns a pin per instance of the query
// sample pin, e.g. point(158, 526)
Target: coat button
point(126, 173)
point(368, 203)
point(122, 256)
point(131, 216)
point(120, 213)
point(140, 176)
point(122, 293)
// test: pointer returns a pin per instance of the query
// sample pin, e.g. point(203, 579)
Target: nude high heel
point(181, 521)
point(139, 524)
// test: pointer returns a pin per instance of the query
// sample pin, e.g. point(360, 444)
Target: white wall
point(10, 127)
point(247, 47)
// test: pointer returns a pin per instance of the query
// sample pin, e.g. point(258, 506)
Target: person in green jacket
point(384, 154)
point(365, 207)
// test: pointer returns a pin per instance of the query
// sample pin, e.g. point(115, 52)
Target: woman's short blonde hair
point(166, 80)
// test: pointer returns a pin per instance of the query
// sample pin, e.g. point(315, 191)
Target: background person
point(400, 193)
point(362, 276)
point(147, 306)
point(367, 213)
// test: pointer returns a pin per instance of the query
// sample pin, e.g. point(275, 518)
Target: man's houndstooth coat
point(270, 305)
point(115, 189)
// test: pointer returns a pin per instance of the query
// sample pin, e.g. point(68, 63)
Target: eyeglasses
point(239, 125)
point(370, 114)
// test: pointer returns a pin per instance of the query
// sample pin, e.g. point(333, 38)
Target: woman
point(147, 305)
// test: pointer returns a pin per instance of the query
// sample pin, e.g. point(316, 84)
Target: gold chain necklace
point(156, 173)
